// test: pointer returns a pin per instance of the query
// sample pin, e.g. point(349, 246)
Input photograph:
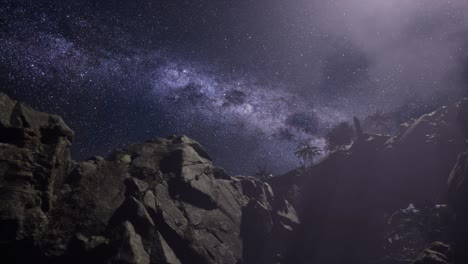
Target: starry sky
point(249, 80)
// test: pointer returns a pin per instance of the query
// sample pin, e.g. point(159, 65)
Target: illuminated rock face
point(162, 201)
point(34, 158)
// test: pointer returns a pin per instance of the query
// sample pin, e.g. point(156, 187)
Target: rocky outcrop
point(347, 197)
point(162, 201)
point(34, 158)
point(412, 230)
point(437, 253)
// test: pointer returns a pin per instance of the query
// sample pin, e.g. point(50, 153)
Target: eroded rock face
point(34, 158)
point(162, 201)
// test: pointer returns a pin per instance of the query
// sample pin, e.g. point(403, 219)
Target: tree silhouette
point(306, 154)
point(381, 122)
point(339, 136)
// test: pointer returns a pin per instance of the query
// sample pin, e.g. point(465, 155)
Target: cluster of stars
point(249, 80)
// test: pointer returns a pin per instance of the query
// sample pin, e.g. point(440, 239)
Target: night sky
point(248, 79)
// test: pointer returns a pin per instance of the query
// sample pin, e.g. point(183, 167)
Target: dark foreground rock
point(347, 198)
point(162, 201)
point(458, 200)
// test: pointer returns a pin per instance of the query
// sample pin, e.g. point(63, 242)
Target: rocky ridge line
point(162, 201)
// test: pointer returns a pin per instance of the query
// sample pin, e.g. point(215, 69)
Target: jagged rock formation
point(162, 201)
point(346, 197)
point(34, 156)
point(437, 253)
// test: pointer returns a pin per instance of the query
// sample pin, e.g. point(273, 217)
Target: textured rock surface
point(437, 253)
point(34, 158)
point(162, 201)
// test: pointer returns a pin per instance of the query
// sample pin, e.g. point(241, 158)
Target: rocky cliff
point(162, 201)
point(347, 198)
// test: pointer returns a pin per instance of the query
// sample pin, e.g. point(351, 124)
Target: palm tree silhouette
point(306, 154)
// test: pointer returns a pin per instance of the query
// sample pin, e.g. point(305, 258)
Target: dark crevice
point(50, 136)
point(213, 257)
point(180, 246)
point(200, 151)
point(9, 228)
point(172, 163)
point(12, 135)
point(179, 189)
point(17, 118)
point(213, 233)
